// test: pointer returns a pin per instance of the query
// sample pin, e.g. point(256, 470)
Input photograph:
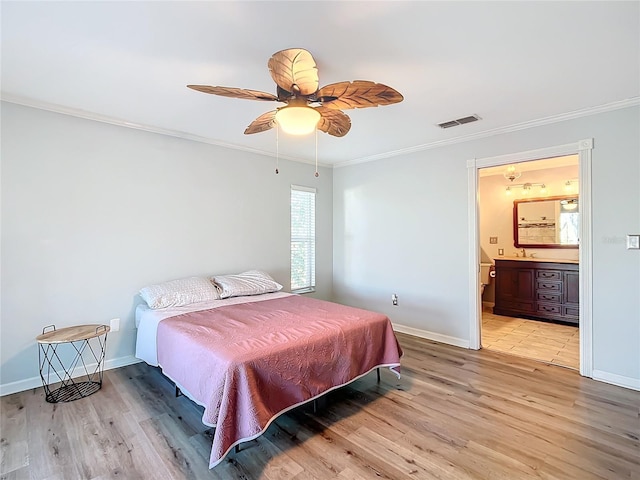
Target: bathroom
point(529, 213)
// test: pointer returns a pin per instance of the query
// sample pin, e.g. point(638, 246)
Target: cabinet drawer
point(549, 275)
point(548, 297)
point(520, 306)
point(549, 286)
point(572, 311)
point(549, 308)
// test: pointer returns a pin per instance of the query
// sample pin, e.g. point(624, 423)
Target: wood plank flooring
point(454, 414)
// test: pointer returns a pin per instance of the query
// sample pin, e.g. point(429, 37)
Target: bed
point(248, 359)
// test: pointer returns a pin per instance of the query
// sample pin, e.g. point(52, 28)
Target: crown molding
point(29, 102)
point(629, 102)
point(96, 117)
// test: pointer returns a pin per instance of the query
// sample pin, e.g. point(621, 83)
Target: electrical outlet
point(633, 242)
point(394, 299)
point(493, 240)
point(114, 325)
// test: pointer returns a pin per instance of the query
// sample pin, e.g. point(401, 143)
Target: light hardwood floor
point(454, 414)
point(543, 341)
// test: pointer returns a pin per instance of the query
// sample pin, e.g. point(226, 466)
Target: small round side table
point(89, 343)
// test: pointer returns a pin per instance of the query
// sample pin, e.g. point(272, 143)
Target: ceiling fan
point(308, 107)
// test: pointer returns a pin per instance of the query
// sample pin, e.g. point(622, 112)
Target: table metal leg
point(57, 378)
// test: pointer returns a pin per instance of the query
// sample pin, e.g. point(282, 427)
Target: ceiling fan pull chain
point(277, 148)
point(317, 174)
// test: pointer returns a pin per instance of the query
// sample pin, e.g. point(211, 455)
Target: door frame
point(583, 149)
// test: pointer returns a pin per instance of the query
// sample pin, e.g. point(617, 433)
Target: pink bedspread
point(248, 363)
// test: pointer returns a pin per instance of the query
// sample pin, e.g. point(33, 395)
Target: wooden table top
point(73, 334)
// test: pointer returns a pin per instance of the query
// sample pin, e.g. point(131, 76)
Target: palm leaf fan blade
point(294, 66)
point(333, 122)
point(357, 94)
point(233, 92)
point(264, 122)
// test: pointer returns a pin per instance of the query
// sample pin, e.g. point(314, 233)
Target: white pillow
point(253, 282)
point(177, 293)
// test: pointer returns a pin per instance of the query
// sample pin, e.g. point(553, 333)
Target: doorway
point(583, 151)
point(545, 244)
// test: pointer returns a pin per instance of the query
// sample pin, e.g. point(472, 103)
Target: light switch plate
point(493, 240)
point(633, 242)
point(501, 251)
point(114, 324)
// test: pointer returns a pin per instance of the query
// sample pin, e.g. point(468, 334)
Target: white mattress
point(147, 320)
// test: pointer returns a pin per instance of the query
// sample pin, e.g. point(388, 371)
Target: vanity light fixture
point(526, 188)
point(568, 185)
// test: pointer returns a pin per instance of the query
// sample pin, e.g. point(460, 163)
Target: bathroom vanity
point(538, 289)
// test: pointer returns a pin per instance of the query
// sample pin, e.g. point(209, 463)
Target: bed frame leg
point(378, 374)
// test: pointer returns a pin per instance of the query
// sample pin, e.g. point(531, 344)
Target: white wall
point(91, 212)
point(401, 226)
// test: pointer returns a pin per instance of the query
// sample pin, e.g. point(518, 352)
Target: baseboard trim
point(436, 337)
point(35, 382)
point(614, 379)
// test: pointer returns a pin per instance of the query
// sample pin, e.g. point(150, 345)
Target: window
point(569, 227)
point(303, 239)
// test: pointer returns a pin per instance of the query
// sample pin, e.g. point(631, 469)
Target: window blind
point(303, 238)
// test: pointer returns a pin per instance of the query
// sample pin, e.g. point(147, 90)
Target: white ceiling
point(511, 63)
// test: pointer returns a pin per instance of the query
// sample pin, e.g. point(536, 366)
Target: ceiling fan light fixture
point(296, 76)
point(298, 120)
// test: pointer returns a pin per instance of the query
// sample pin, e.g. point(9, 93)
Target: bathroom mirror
point(549, 222)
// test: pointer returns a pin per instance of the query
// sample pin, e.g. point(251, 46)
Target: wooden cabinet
point(515, 286)
point(537, 289)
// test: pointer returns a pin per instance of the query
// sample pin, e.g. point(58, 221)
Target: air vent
point(459, 121)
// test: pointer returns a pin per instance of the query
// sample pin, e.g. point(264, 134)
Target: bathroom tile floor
point(543, 341)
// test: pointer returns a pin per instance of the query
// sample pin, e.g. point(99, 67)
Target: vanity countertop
point(536, 259)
